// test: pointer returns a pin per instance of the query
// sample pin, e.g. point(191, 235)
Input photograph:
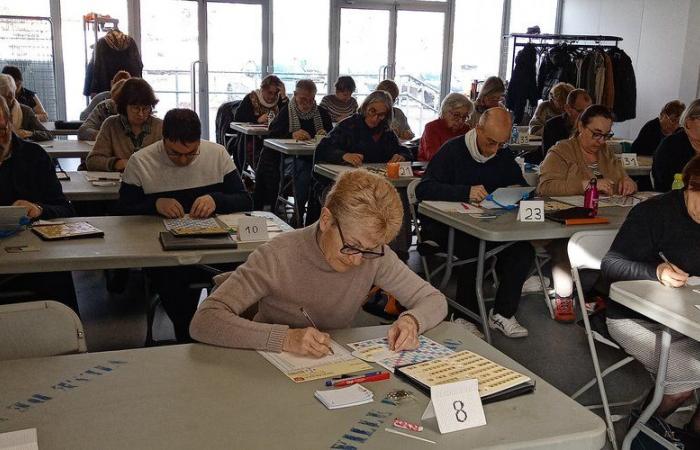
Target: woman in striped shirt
point(341, 104)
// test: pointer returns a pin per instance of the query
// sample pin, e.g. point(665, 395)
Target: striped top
point(337, 109)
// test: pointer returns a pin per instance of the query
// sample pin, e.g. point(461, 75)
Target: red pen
point(348, 381)
point(466, 206)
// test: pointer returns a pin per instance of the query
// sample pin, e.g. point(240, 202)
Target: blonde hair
point(560, 92)
point(368, 200)
point(7, 85)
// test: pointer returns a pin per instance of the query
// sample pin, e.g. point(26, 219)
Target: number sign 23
point(531, 211)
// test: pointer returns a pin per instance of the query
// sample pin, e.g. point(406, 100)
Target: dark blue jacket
point(452, 172)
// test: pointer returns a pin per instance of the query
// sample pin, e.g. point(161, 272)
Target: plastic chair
point(586, 250)
point(39, 329)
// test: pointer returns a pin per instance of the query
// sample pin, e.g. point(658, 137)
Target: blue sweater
point(452, 172)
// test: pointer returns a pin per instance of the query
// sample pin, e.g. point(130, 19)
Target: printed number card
point(405, 169)
point(457, 406)
point(251, 228)
point(629, 160)
point(531, 211)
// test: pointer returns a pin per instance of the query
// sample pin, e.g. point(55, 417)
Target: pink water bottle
point(590, 197)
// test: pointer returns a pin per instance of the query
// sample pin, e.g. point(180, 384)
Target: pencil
point(311, 321)
point(390, 430)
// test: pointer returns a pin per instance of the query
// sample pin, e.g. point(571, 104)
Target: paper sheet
point(231, 221)
point(466, 365)
point(342, 398)
point(506, 196)
point(377, 350)
point(454, 207)
point(693, 281)
point(19, 440)
point(300, 368)
point(103, 176)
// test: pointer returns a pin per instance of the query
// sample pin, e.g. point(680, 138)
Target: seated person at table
point(28, 179)
point(24, 122)
point(668, 224)
point(338, 259)
point(89, 130)
point(560, 127)
point(399, 122)
point(454, 113)
point(299, 119)
point(654, 131)
point(492, 94)
point(567, 169)
point(175, 176)
point(676, 150)
point(550, 108)
point(24, 95)
point(102, 96)
point(132, 129)
point(341, 104)
point(466, 169)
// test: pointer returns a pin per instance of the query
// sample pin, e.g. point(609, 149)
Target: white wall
point(661, 37)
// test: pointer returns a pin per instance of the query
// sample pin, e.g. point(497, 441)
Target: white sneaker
point(533, 284)
point(509, 327)
point(470, 327)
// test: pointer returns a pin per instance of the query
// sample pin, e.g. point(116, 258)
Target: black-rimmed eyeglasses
point(348, 249)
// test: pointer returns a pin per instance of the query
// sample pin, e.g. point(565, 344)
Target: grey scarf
point(296, 116)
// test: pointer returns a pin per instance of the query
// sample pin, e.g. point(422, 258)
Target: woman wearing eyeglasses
point(326, 269)
point(566, 170)
point(676, 150)
point(133, 128)
point(454, 113)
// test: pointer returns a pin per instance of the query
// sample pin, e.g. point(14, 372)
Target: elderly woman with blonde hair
point(24, 122)
point(550, 108)
point(324, 270)
point(454, 113)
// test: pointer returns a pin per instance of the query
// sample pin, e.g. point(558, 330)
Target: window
point(74, 44)
point(527, 13)
point(300, 42)
point(477, 42)
point(28, 8)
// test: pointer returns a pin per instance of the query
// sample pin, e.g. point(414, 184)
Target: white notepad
point(19, 440)
point(353, 395)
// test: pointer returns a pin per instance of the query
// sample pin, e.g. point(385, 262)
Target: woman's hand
point(670, 275)
point(263, 118)
point(606, 186)
point(626, 186)
point(397, 158)
point(477, 193)
point(403, 334)
point(301, 135)
point(354, 159)
point(307, 342)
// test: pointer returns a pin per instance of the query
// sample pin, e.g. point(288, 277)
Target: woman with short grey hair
point(25, 123)
point(454, 113)
point(676, 150)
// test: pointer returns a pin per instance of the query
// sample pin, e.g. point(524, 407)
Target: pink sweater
point(289, 272)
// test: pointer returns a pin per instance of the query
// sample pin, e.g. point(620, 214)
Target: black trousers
point(27, 287)
point(512, 267)
point(267, 180)
point(179, 298)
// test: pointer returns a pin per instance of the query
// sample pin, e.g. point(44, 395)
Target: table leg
point(658, 391)
point(480, 289)
point(450, 256)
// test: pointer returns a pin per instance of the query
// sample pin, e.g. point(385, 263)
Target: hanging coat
point(523, 83)
point(625, 106)
point(556, 66)
point(114, 52)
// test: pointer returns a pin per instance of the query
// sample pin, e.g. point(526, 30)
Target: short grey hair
point(691, 112)
point(7, 85)
point(379, 97)
point(454, 101)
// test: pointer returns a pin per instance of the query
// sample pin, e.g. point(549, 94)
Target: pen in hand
point(311, 322)
point(683, 276)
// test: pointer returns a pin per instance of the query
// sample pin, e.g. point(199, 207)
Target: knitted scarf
point(470, 140)
point(295, 117)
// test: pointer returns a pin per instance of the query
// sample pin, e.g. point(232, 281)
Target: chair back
point(224, 117)
point(587, 248)
point(412, 202)
point(37, 329)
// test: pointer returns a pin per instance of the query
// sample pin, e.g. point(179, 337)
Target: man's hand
point(307, 342)
point(33, 210)
point(397, 158)
point(203, 207)
point(670, 275)
point(477, 193)
point(170, 208)
point(403, 334)
point(354, 159)
point(24, 134)
point(301, 135)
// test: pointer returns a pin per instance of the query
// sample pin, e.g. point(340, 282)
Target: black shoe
point(663, 429)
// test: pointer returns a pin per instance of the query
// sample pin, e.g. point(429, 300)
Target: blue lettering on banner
point(361, 431)
point(66, 385)
point(372, 419)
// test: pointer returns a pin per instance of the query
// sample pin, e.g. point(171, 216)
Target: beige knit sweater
point(290, 272)
point(113, 143)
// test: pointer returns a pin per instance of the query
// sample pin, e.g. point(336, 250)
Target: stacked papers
point(353, 395)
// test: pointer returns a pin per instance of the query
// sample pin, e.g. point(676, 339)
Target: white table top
point(643, 169)
point(291, 147)
point(673, 307)
point(331, 171)
point(129, 241)
point(250, 128)
point(51, 128)
point(506, 228)
point(78, 188)
point(67, 148)
point(199, 396)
